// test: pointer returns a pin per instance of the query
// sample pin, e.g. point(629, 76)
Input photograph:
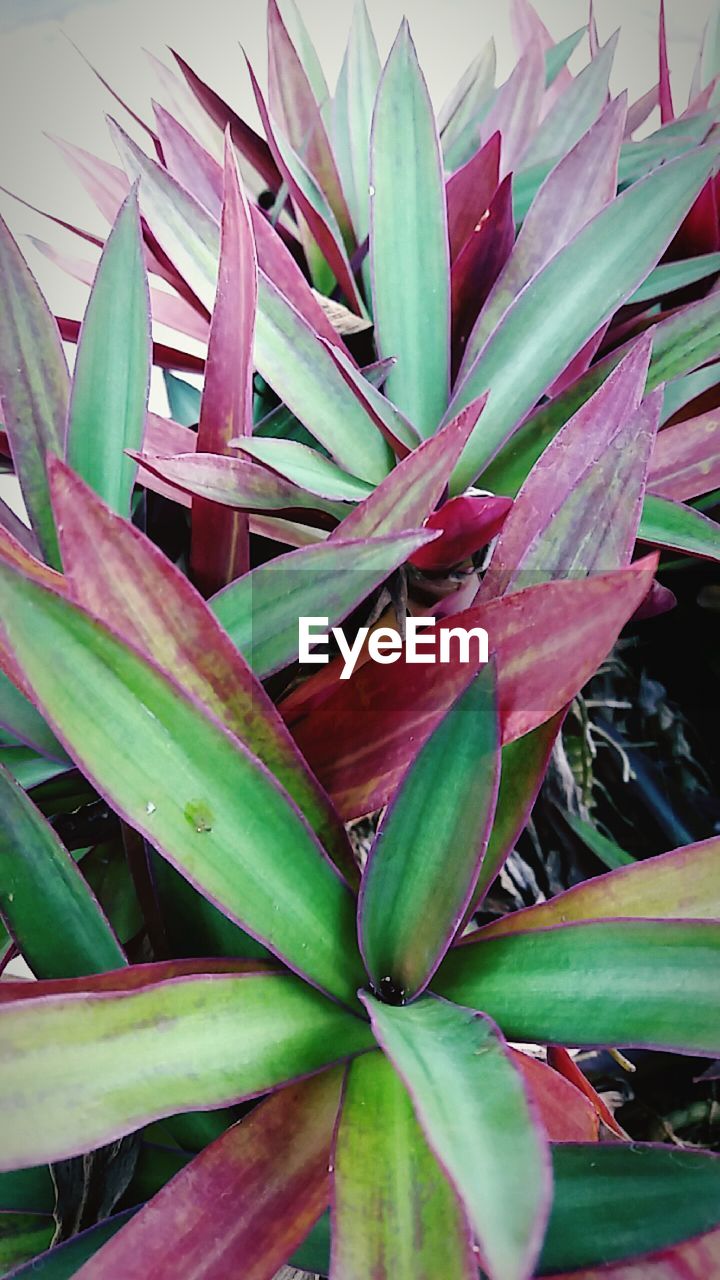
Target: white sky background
point(46, 87)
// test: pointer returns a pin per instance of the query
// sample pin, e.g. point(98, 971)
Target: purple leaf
point(219, 545)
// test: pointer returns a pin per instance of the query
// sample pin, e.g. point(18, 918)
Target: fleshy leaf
point(34, 387)
point(251, 1196)
point(123, 1059)
point(171, 770)
point(287, 350)
point(580, 507)
point(594, 274)
point(219, 545)
point(671, 524)
point(361, 737)
point(469, 192)
point(515, 109)
point(560, 985)
point(120, 576)
point(461, 117)
point(305, 467)
point(686, 458)
point(575, 109)
point(466, 523)
point(254, 148)
point(473, 1107)
point(58, 923)
point(411, 490)
point(261, 611)
point(236, 482)
point(567, 1115)
point(409, 240)
point(352, 117)
point(670, 276)
point(111, 377)
point(395, 1215)
point(425, 860)
point(615, 1201)
point(189, 162)
point(683, 884)
point(293, 104)
point(686, 338)
point(523, 766)
point(580, 186)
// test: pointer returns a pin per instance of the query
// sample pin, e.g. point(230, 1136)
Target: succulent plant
point(461, 369)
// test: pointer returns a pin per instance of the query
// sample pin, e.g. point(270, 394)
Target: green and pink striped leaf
point(681, 885)
point(167, 766)
point(395, 1215)
point(567, 984)
point(261, 611)
point(219, 544)
point(686, 458)
point(123, 1059)
point(474, 1108)
point(352, 110)
point(362, 733)
point(408, 495)
point(244, 1203)
point(594, 274)
point(425, 860)
point(579, 509)
point(34, 387)
point(582, 184)
point(118, 575)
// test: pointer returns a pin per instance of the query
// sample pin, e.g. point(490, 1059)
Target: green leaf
point(685, 339)
point(64, 1261)
point(569, 985)
point(606, 850)
point(523, 766)
point(673, 524)
point(22, 1235)
point(117, 574)
point(305, 467)
point(169, 769)
point(261, 611)
point(352, 116)
point(569, 300)
point(560, 54)
point(183, 399)
point(27, 1191)
point(614, 1201)
point(465, 110)
point(408, 240)
point(121, 1059)
point(395, 1215)
point(575, 110)
point(25, 722)
point(473, 1107)
point(611, 1202)
point(426, 857)
point(30, 769)
point(111, 378)
point(681, 885)
point(34, 387)
point(670, 276)
point(58, 923)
